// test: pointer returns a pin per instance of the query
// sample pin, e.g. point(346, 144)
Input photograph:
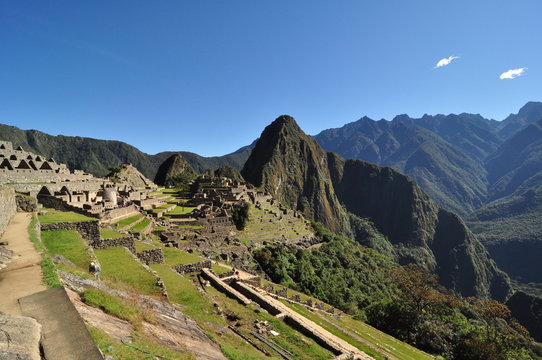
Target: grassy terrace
point(125, 222)
point(53, 216)
point(160, 208)
point(183, 290)
point(140, 226)
point(194, 227)
point(121, 268)
point(265, 226)
point(175, 257)
point(141, 246)
point(181, 210)
point(380, 343)
point(106, 233)
point(69, 244)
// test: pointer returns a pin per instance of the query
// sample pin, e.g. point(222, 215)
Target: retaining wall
point(120, 213)
point(8, 207)
point(89, 230)
point(151, 256)
point(127, 242)
point(225, 288)
point(195, 267)
point(58, 204)
point(26, 203)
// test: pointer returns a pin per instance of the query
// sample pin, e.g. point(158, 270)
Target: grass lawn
point(195, 227)
point(181, 290)
point(175, 256)
point(53, 216)
point(69, 244)
point(110, 234)
point(181, 210)
point(121, 267)
point(110, 305)
point(141, 246)
point(140, 226)
point(125, 222)
point(219, 269)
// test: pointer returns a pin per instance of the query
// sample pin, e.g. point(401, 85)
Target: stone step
point(64, 334)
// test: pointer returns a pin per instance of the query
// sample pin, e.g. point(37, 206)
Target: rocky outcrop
point(176, 169)
point(19, 337)
point(26, 203)
point(292, 167)
point(171, 327)
point(130, 175)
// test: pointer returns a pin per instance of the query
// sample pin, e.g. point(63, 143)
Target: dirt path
point(22, 276)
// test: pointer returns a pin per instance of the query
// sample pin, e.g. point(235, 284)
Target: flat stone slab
point(19, 337)
point(64, 334)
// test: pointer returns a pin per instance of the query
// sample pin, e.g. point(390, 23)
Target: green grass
point(181, 210)
point(120, 351)
point(120, 267)
point(160, 208)
point(130, 220)
point(53, 216)
point(182, 291)
point(398, 348)
point(219, 269)
point(49, 276)
point(110, 305)
point(195, 227)
point(159, 228)
point(140, 226)
point(69, 244)
point(200, 307)
point(379, 341)
point(175, 257)
point(141, 246)
point(106, 233)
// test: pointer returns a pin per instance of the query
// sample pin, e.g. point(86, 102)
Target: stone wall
point(151, 256)
point(127, 242)
point(226, 274)
point(26, 203)
point(58, 204)
point(89, 230)
point(120, 213)
point(182, 269)
point(8, 207)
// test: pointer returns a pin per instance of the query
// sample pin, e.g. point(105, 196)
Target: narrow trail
point(22, 276)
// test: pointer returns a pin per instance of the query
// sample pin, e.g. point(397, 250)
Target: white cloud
point(446, 61)
point(512, 73)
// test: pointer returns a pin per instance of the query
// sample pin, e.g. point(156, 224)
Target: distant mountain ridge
point(347, 195)
point(97, 156)
point(490, 172)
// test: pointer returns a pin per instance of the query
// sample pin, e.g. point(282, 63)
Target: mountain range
point(488, 172)
point(352, 196)
point(97, 156)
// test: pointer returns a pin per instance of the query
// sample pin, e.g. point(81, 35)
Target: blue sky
point(208, 76)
